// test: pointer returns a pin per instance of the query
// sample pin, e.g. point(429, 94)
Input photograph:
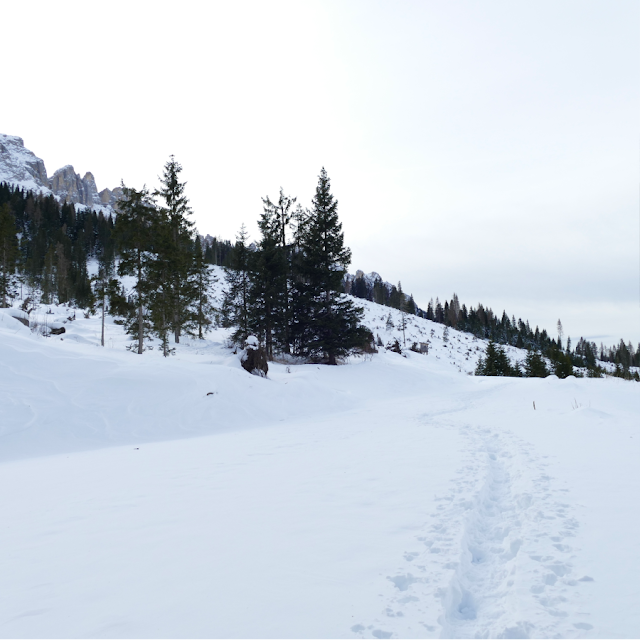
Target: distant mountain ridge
point(21, 167)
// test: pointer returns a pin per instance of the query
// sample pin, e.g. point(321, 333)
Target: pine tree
point(137, 218)
point(236, 300)
point(560, 361)
point(403, 314)
point(100, 284)
point(333, 322)
point(430, 311)
point(8, 252)
point(560, 334)
point(495, 362)
point(535, 366)
point(454, 311)
point(161, 300)
point(62, 273)
point(269, 273)
point(275, 221)
point(103, 282)
point(47, 279)
point(395, 297)
point(176, 249)
point(202, 280)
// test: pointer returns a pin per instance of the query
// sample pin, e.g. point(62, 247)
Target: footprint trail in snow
point(496, 559)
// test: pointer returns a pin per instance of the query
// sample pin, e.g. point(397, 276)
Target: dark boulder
point(254, 359)
point(25, 321)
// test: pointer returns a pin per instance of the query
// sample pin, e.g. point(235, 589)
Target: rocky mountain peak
point(21, 167)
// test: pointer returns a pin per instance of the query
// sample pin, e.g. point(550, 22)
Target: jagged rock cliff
point(21, 167)
point(68, 186)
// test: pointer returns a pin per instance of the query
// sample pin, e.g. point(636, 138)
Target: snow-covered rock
point(22, 168)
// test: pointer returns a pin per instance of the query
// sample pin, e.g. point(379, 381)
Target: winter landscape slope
point(389, 497)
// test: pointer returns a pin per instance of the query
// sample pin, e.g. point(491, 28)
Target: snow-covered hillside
point(392, 497)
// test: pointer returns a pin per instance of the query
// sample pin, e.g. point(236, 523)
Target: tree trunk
point(4, 276)
point(268, 342)
point(176, 316)
point(200, 313)
point(404, 324)
point(140, 319)
point(140, 328)
point(165, 337)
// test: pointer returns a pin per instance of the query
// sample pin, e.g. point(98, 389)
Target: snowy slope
point(391, 497)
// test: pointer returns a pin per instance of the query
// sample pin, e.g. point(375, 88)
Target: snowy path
point(497, 554)
point(390, 498)
point(513, 549)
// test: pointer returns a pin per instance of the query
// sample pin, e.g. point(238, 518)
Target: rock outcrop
point(21, 167)
point(109, 197)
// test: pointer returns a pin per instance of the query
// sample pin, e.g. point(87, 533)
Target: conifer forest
point(287, 287)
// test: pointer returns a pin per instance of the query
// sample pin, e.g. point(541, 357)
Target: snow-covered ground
point(390, 497)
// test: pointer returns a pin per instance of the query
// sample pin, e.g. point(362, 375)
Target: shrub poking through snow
point(368, 343)
point(394, 346)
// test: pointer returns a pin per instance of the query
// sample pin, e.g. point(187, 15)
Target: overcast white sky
point(491, 148)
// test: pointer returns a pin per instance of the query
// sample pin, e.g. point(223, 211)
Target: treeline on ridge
point(48, 244)
point(483, 323)
point(274, 285)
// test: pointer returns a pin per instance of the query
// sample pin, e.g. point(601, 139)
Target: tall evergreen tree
point(495, 362)
point(535, 366)
point(269, 272)
point(176, 248)
point(236, 301)
point(202, 280)
point(8, 252)
point(159, 280)
point(333, 323)
point(137, 218)
point(560, 361)
point(275, 221)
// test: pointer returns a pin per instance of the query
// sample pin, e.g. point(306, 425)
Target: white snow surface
point(388, 497)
